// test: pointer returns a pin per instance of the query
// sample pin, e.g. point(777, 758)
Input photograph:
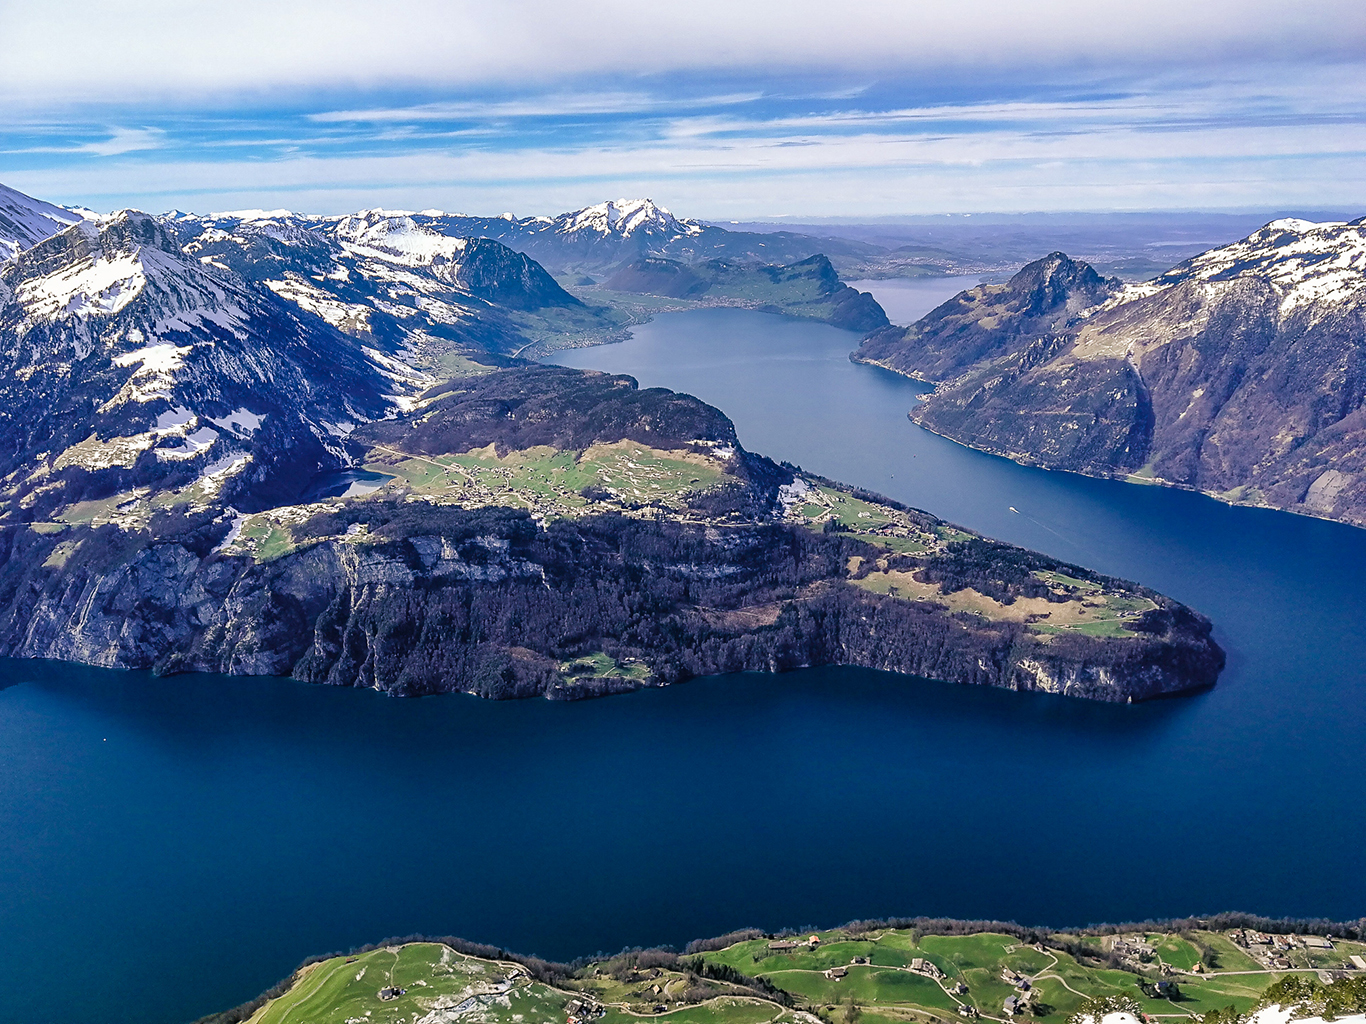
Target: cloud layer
point(722, 109)
point(138, 48)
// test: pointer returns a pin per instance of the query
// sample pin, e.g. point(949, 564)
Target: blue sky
point(722, 110)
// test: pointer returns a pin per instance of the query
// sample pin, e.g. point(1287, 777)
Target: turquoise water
point(170, 847)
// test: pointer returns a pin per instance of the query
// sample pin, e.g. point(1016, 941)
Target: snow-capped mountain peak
point(25, 221)
point(624, 217)
point(99, 267)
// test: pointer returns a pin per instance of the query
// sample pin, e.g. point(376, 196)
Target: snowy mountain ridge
point(128, 363)
point(25, 221)
point(1311, 266)
point(228, 357)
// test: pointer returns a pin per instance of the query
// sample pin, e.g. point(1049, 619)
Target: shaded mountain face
point(809, 288)
point(1241, 372)
point(25, 221)
point(991, 320)
point(130, 364)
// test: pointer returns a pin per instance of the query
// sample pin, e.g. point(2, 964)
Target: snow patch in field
point(216, 473)
point(191, 444)
point(239, 421)
point(177, 417)
point(154, 378)
point(234, 531)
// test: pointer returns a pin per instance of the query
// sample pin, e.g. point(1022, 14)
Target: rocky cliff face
point(425, 600)
point(1241, 373)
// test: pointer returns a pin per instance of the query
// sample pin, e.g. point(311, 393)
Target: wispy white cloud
point(553, 105)
point(912, 104)
point(1118, 167)
point(125, 140)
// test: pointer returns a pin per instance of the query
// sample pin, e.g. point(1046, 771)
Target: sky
point(720, 110)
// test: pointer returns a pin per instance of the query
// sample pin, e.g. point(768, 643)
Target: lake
point(906, 299)
point(170, 847)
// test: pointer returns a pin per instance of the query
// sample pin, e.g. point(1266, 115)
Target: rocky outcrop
point(990, 321)
point(490, 603)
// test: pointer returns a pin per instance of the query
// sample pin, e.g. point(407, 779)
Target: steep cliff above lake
point(563, 533)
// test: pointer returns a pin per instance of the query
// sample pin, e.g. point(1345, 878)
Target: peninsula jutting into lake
point(501, 529)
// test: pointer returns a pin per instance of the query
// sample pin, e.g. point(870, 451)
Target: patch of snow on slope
point(396, 370)
point(1277, 1015)
point(176, 417)
point(25, 221)
point(239, 421)
point(154, 378)
point(191, 445)
point(216, 473)
point(345, 316)
point(1311, 265)
point(93, 286)
point(397, 238)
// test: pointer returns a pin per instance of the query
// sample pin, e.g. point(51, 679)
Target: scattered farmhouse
point(926, 967)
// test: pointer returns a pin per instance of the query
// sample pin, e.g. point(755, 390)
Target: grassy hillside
point(841, 976)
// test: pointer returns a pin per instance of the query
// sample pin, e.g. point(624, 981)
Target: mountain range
point(1240, 372)
point(264, 443)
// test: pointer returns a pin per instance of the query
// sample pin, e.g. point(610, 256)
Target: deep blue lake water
point(170, 847)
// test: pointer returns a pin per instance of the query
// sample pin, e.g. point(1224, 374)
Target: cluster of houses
point(1134, 947)
point(581, 1011)
point(1249, 938)
point(1271, 949)
point(1020, 1002)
